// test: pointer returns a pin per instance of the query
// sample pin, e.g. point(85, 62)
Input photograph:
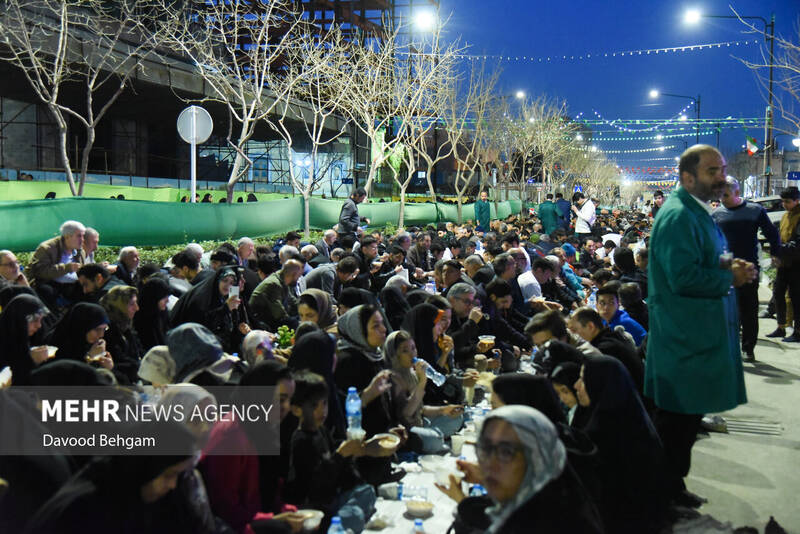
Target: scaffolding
point(362, 20)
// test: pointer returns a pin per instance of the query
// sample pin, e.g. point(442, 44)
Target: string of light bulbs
point(658, 137)
point(603, 55)
point(637, 150)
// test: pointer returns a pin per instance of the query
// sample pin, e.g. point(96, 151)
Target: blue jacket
point(621, 318)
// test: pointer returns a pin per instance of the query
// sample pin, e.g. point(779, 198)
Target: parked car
point(773, 206)
point(774, 209)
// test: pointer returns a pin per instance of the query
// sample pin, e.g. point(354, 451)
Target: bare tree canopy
point(90, 45)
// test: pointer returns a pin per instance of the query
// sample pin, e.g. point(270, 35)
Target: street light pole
point(655, 93)
point(769, 35)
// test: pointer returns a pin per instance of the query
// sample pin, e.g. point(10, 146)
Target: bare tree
point(466, 114)
point(314, 67)
point(369, 96)
point(239, 50)
point(86, 45)
point(786, 66)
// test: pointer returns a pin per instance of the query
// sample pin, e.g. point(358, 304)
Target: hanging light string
point(635, 150)
point(657, 137)
point(602, 55)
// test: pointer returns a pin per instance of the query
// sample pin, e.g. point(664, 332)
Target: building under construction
point(137, 142)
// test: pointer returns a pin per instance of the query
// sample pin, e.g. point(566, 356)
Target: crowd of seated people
point(571, 449)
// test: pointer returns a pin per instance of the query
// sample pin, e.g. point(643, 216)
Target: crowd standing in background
point(601, 337)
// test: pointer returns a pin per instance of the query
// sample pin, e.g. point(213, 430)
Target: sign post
point(194, 127)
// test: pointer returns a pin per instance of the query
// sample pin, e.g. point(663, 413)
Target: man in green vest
point(549, 214)
point(694, 363)
point(483, 211)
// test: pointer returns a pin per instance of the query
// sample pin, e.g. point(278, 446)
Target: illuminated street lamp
point(425, 20)
point(693, 16)
point(655, 93)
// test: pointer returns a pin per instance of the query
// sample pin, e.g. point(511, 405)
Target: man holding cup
point(694, 362)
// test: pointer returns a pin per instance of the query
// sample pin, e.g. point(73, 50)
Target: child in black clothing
point(323, 476)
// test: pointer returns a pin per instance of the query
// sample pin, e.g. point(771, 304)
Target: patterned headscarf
point(545, 456)
point(353, 336)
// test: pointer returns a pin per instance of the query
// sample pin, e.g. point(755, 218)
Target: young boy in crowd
point(323, 476)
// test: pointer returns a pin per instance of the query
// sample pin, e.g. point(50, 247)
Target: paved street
point(753, 472)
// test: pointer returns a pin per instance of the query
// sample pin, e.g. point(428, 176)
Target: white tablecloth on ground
point(444, 506)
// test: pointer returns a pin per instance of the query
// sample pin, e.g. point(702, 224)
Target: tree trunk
point(401, 219)
point(87, 148)
point(371, 177)
point(460, 218)
point(233, 179)
point(521, 199)
point(430, 183)
point(306, 210)
point(62, 141)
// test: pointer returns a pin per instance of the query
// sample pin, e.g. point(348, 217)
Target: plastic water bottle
point(399, 491)
point(418, 528)
point(477, 491)
point(336, 526)
point(434, 375)
point(353, 408)
point(430, 287)
point(592, 301)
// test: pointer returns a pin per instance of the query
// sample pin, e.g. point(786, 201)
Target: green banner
point(17, 190)
point(27, 223)
point(124, 222)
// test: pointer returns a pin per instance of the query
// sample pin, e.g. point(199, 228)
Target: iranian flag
point(752, 146)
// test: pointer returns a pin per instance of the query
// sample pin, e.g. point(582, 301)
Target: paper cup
point(456, 443)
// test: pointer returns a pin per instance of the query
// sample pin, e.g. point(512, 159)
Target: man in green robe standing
point(483, 211)
point(694, 362)
point(549, 214)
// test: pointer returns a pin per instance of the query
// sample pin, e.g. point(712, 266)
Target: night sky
point(618, 87)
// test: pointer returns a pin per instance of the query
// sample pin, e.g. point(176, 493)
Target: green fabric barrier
point(123, 222)
point(17, 190)
point(503, 210)
point(126, 222)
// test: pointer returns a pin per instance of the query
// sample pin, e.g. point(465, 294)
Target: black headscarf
point(273, 467)
point(204, 304)
point(15, 345)
point(104, 496)
point(316, 352)
point(354, 296)
point(566, 374)
point(530, 390)
point(395, 305)
point(416, 296)
point(615, 404)
point(9, 292)
point(70, 333)
point(150, 322)
point(556, 352)
point(419, 323)
point(195, 304)
point(630, 453)
point(68, 373)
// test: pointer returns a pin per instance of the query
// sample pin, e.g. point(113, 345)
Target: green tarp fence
point(27, 223)
point(37, 190)
point(123, 222)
